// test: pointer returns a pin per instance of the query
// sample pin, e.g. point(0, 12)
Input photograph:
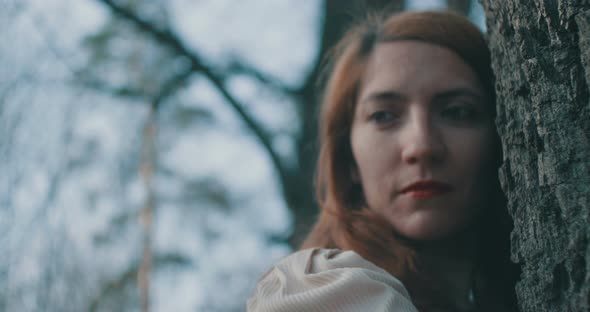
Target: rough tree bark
point(541, 57)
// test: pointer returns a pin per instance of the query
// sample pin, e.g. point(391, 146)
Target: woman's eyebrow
point(384, 96)
point(457, 92)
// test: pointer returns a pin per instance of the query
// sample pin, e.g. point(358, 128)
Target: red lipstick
point(426, 189)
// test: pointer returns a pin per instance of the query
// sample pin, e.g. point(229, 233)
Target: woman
point(412, 215)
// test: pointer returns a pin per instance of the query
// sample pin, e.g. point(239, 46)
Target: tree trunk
point(147, 169)
point(459, 6)
point(541, 57)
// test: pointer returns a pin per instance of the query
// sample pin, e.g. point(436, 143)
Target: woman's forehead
point(415, 67)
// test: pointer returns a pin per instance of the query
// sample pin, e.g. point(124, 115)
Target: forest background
point(158, 155)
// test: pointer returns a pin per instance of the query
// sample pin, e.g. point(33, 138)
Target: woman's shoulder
point(309, 263)
point(328, 280)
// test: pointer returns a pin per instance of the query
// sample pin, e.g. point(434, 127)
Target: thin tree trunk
point(147, 169)
point(541, 57)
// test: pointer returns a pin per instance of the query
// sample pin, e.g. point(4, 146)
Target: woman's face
point(422, 139)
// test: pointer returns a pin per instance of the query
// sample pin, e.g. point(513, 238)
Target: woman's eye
point(460, 113)
point(382, 117)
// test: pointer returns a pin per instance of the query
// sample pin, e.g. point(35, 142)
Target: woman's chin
point(427, 228)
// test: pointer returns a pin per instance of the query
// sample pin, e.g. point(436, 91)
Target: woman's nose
point(422, 142)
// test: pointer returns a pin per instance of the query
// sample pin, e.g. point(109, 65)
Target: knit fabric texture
point(322, 280)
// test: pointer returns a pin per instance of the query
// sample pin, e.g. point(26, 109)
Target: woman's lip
point(425, 193)
point(427, 188)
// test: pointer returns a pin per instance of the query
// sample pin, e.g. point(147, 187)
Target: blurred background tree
point(159, 155)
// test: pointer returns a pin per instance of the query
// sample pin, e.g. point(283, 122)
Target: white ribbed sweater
point(322, 280)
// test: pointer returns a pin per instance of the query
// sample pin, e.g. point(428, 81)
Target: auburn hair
point(345, 222)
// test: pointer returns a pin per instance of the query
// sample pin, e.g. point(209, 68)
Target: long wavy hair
point(346, 223)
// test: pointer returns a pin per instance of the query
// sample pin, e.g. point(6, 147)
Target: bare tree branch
point(101, 86)
point(167, 89)
point(241, 68)
point(171, 86)
point(79, 77)
point(173, 42)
